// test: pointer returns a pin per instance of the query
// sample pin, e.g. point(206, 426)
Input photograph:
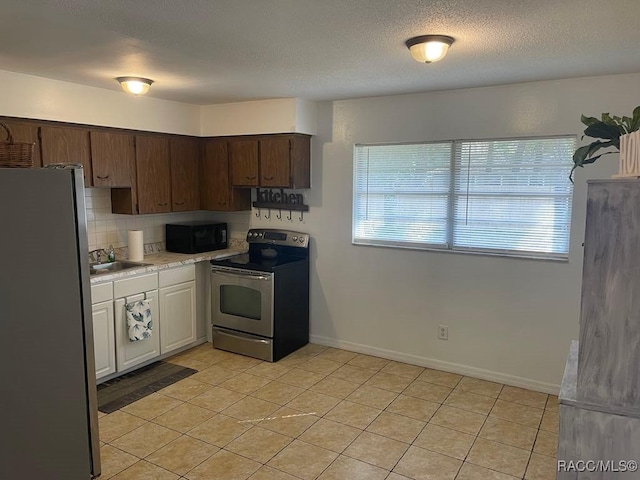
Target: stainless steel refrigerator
point(48, 407)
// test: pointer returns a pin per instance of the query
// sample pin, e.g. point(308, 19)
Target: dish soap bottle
point(111, 254)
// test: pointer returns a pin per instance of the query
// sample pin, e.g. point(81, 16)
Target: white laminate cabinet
point(104, 343)
point(128, 353)
point(177, 301)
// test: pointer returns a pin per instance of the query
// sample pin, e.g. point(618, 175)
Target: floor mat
point(128, 388)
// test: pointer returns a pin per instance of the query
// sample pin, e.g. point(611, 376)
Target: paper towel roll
point(135, 242)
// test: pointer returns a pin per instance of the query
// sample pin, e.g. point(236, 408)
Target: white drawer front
point(178, 275)
point(101, 292)
point(131, 286)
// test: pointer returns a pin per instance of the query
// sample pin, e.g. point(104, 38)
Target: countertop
point(165, 260)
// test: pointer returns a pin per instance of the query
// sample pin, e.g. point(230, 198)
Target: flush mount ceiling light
point(429, 48)
point(135, 85)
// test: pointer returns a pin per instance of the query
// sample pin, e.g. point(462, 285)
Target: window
point(510, 197)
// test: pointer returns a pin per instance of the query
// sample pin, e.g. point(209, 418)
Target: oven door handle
point(240, 335)
point(236, 274)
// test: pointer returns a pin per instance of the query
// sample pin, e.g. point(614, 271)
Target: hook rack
point(279, 200)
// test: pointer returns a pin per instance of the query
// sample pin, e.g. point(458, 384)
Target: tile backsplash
point(105, 228)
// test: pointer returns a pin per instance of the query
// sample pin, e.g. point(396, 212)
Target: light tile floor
point(329, 414)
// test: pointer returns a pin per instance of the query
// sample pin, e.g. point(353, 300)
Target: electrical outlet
point(443, 332)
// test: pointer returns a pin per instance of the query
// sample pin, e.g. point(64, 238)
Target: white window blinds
point(401, 194)
point(499, 196)
point(513, 195)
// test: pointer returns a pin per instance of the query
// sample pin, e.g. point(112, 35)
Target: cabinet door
point(300, 161)
point(177, 316)
point(104, 343)
point(67, 145)
point(216, 192)
point(243, 157)
point(153, 175)
point(275, 166)
point(185, 162)
point(215, 176)
point(112, 159)
point(128, 353)
point(24, 132)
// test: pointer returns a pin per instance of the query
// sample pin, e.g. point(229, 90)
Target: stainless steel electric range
point(260, 300)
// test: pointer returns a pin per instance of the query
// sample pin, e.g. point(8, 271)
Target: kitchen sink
point(117, 266)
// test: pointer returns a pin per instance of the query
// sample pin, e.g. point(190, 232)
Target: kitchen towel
point(139, 320)
point(135, 242)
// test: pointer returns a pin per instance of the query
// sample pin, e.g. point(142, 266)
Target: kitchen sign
point(268, 195)
point(278, 199)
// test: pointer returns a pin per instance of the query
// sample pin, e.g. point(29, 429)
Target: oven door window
point(241, 301)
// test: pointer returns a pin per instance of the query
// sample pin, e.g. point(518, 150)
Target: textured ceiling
point(215, 51)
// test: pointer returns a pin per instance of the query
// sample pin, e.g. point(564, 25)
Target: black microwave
point(195, 237)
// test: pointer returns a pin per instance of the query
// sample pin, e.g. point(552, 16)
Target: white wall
point(28, 96)
point(509, 320)
point(277, 115)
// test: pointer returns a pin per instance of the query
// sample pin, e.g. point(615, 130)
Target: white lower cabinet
point(131, 353)
point(177, 308)
point(172, 296)
point(104, 342)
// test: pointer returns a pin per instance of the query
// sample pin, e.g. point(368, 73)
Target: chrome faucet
point(97, 254)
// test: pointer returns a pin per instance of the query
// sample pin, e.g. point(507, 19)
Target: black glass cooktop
point(269, 250)
point(263, 259)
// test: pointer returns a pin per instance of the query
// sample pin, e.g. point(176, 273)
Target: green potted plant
point(607, 131)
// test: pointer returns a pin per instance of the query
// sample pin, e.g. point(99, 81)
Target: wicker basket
point(15, 154)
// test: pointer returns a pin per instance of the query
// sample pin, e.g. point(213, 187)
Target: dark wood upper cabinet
point(185, 173)
point(153, 174)
point(215, 188)
point(24, 132)
point(271, 161)
point(67, 145)
point(243, 155)
point(285, 161)
point(161, 173)
point(275, 167)
point(112, 159)
point(300, 161)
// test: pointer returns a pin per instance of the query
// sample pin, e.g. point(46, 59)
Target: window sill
point(484, 253)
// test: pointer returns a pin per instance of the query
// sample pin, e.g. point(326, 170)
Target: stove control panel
point(278, 237)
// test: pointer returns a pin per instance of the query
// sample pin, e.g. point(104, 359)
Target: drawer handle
point(251, 178)
point(102, 177)
point(163, 204)
point(268, 178)
point(179, 203)
point(222, 204)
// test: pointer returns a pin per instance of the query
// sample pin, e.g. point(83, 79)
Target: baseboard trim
point(483, 374)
